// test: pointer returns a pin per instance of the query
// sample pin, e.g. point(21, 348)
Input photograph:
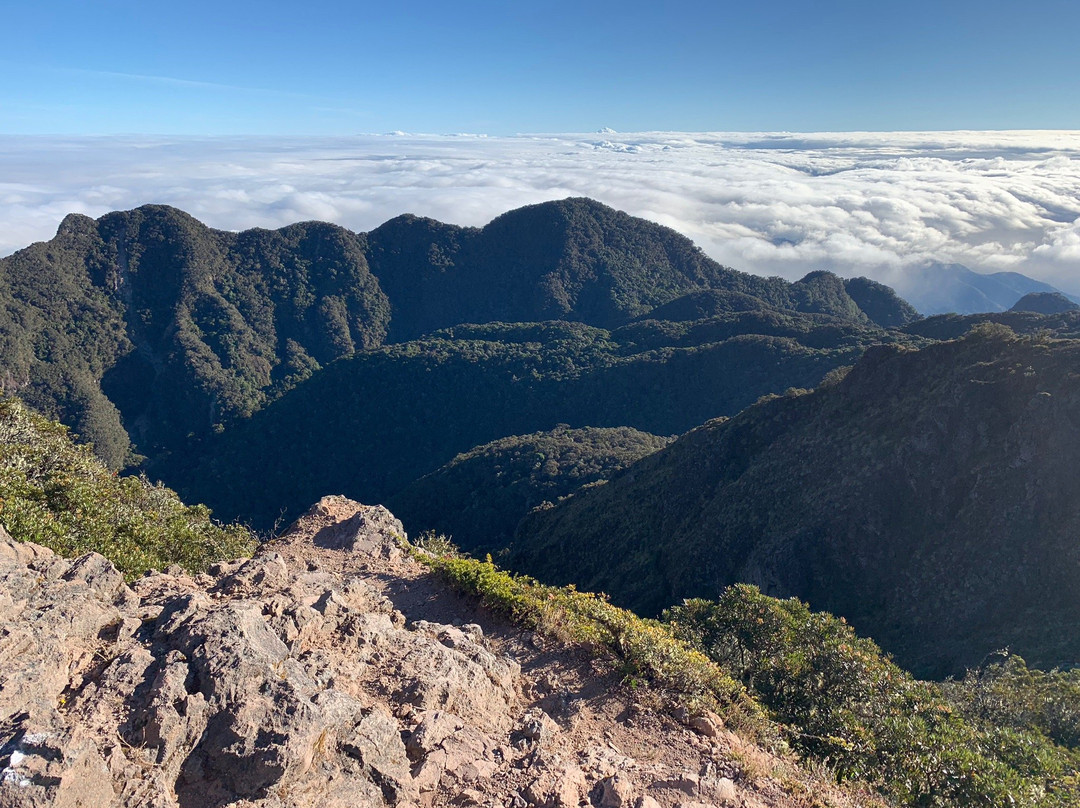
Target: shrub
point(646, 649)
point(60, 495)
point(840, 700)
point(1010, 694)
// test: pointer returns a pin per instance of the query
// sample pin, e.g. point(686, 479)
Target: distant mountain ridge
point(953, 288)
point(148, 332)
point(581, 261)
point(1045, 303)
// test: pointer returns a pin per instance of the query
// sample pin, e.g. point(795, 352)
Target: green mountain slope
point(856, 300)
point(479, 497)
point(148, 332)
point(1063, 325)
point(149, 326)
point(59, 495)
point(369, 425)
point(582, 261)
point(930, 497)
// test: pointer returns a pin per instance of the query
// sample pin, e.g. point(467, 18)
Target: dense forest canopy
point(149, 333)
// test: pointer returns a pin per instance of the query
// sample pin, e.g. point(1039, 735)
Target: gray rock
point(536, 727)
point(686, 782)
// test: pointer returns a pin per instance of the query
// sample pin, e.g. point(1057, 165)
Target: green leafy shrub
point(60, 495)
point(1010, 694)
point(840, 700)
point(647, 649)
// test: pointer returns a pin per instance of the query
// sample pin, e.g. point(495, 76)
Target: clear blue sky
point(325, 67)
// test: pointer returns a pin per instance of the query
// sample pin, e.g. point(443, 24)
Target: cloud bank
point(857, 203)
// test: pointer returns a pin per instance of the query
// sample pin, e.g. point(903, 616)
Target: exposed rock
point(229, 694)
point(292, 680)
point(686, 782)
point(560, 785)
point(709, 724)
point(617, 792)
point(723, 791)
point(536, 727)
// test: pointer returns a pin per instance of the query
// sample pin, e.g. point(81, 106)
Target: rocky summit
point(330, 669)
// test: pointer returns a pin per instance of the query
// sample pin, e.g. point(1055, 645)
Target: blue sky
point(332, 68)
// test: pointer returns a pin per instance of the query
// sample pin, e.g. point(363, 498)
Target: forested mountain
point(1045, 303)
point(929, 496)
point(582, 261)
point(479, 497)
point(1062, 325)
point(149, 333)
point(371, 424)
point(150, 327)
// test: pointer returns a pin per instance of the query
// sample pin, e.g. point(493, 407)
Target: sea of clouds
point(778, 204)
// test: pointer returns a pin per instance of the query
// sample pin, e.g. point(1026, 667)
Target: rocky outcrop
point(296, 678)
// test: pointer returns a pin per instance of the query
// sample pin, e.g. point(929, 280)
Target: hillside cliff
point(929, 497)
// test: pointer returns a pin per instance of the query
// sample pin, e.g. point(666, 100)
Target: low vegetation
point(1008, 693)
point(793, 677)
point(838, 699)
point(647, 648)
point(60, 495)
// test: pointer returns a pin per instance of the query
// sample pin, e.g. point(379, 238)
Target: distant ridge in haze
point(1045, 303)
point(953, 288)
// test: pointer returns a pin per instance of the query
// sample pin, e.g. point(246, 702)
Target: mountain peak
point(1045, 303)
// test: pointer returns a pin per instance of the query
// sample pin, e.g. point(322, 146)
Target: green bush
point(1010, 694)
point(840, 700)
point(646, 649)
point(60, 495)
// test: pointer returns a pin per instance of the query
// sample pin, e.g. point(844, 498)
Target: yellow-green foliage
point(833, 695)
point(60, 495)
point(647, 649)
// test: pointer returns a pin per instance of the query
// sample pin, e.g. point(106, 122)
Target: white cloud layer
point(856, 203)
